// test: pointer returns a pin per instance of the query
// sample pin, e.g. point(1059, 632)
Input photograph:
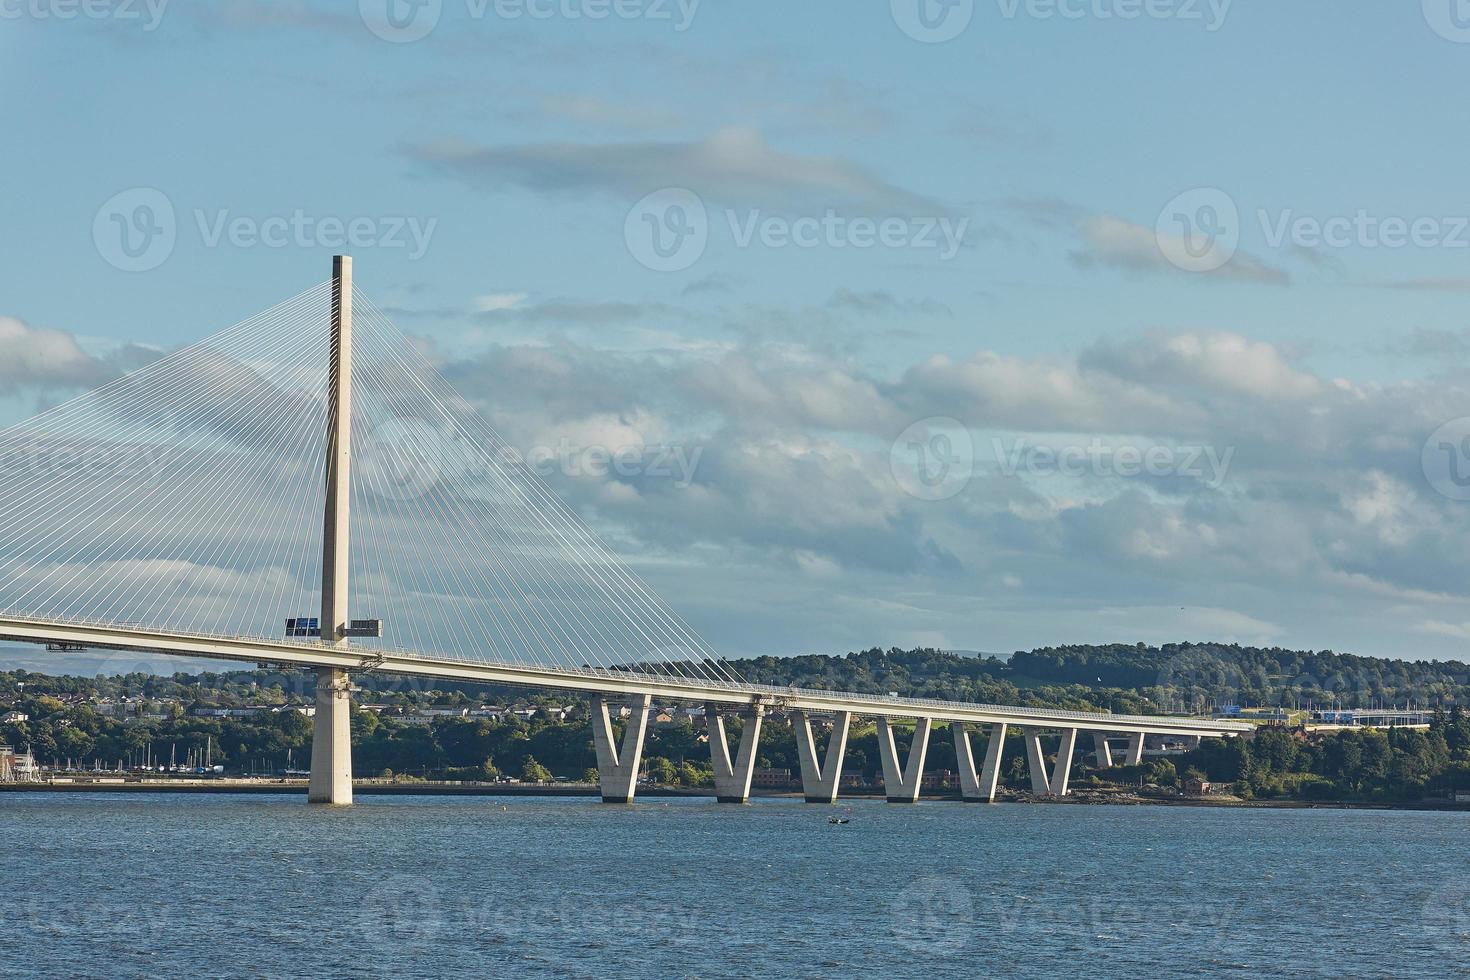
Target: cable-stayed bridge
point(306, 489)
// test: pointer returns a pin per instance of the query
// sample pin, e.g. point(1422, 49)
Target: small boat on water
point(837, 819)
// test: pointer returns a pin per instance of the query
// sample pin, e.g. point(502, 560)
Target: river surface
point(160, 885)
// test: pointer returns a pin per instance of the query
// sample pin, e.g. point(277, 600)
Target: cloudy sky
point(986, 325)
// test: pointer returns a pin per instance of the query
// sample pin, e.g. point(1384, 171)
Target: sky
point(983, 325)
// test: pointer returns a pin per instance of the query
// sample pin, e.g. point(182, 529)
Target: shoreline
point(292, 787)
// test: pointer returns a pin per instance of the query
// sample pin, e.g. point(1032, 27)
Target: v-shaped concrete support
point(1135, 748)
point(732, 779)
point(819, 779)
point(901, 785)
point(617, 771)
point(1061, 773)
point(978, 787)
point(1102, 751)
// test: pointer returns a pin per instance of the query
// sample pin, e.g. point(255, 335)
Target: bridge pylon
point(331, 742)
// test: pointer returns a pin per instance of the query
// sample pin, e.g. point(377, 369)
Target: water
point(159, 885)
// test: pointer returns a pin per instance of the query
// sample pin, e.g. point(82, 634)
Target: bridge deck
point(591, 680)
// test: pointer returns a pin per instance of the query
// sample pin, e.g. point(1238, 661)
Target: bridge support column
point(1063, 771)
point(1036, 761)
point(1135, 748)
point(978, 787)
point(732, 779)
point(1101, 750)
point(901, 785)
point(331, 739)
point(1191, 742)
point(1054, 784)
point(819, 779)
point(617, 770)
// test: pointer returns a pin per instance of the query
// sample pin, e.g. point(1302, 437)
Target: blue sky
point(1059, 138)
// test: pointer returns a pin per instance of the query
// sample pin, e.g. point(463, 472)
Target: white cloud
point(496, 302)
point(1438, 627)
point(1120, 244)
point(793, 482)
point(1324, 495)
point(38, 358)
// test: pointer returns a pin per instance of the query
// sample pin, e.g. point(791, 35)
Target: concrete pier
point(1101, 750)
point(978, 787)
point(1062, 773)
point(331, 740)
point(1055, 782)
point(1036, 761)
point(732, 779)
point(1135, 748)
point(901, 783)
point(819, 779)
point(617, 768)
